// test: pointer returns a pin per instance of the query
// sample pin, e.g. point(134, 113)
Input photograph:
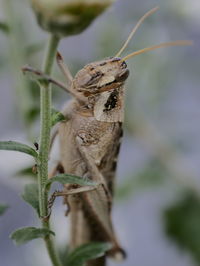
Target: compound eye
point(122, 76)
point(123, 65)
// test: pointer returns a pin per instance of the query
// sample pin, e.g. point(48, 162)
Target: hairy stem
point(45, 126)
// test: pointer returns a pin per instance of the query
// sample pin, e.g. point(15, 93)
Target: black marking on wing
point(112, 101)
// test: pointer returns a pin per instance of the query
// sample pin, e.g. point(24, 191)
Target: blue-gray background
point(162, 125)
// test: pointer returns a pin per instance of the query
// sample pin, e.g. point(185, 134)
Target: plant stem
point(45, 126)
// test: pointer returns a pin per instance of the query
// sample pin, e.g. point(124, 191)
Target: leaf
point(31, 196)
point(32, 114)
point(182, 224)
point(3, 208)
point(25, 234)
point(56, 117)
point(86, 252)
point(17, 146)
point(4, 27)
point(70, 179)
point(26, 172)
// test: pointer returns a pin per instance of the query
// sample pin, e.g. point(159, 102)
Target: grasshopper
point(90, 141)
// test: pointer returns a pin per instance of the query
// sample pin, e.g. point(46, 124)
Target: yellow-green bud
point(67, 17)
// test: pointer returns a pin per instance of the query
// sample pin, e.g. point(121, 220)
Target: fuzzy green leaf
point(182, 221)
point(17, 146)
point(70, 179)
point(56, 117)
point(31, 196)
point(3, 208)
point(25, 234)
point(86, 252)
point(4, 27)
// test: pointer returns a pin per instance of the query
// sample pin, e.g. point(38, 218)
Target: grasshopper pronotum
point(90, 141)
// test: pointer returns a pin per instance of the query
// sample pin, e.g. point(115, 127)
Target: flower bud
point(67, 17)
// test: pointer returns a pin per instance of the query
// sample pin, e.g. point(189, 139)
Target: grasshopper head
point(103, 81)
point(101, 76)
point(102, 84)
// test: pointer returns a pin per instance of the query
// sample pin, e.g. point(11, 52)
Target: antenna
point(166, 44)
point(135, 29)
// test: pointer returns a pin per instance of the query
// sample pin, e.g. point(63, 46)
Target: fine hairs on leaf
point(17, 146)
point(86, 252)
point(26, 234)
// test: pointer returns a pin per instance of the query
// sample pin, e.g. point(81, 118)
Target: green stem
point(45, 120)
point(45, 124)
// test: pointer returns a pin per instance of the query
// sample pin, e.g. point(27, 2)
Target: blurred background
point(157, 207)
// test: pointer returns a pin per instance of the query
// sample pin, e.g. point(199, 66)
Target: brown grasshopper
point(90, 142)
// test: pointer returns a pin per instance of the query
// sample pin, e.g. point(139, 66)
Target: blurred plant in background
point(161, 148)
